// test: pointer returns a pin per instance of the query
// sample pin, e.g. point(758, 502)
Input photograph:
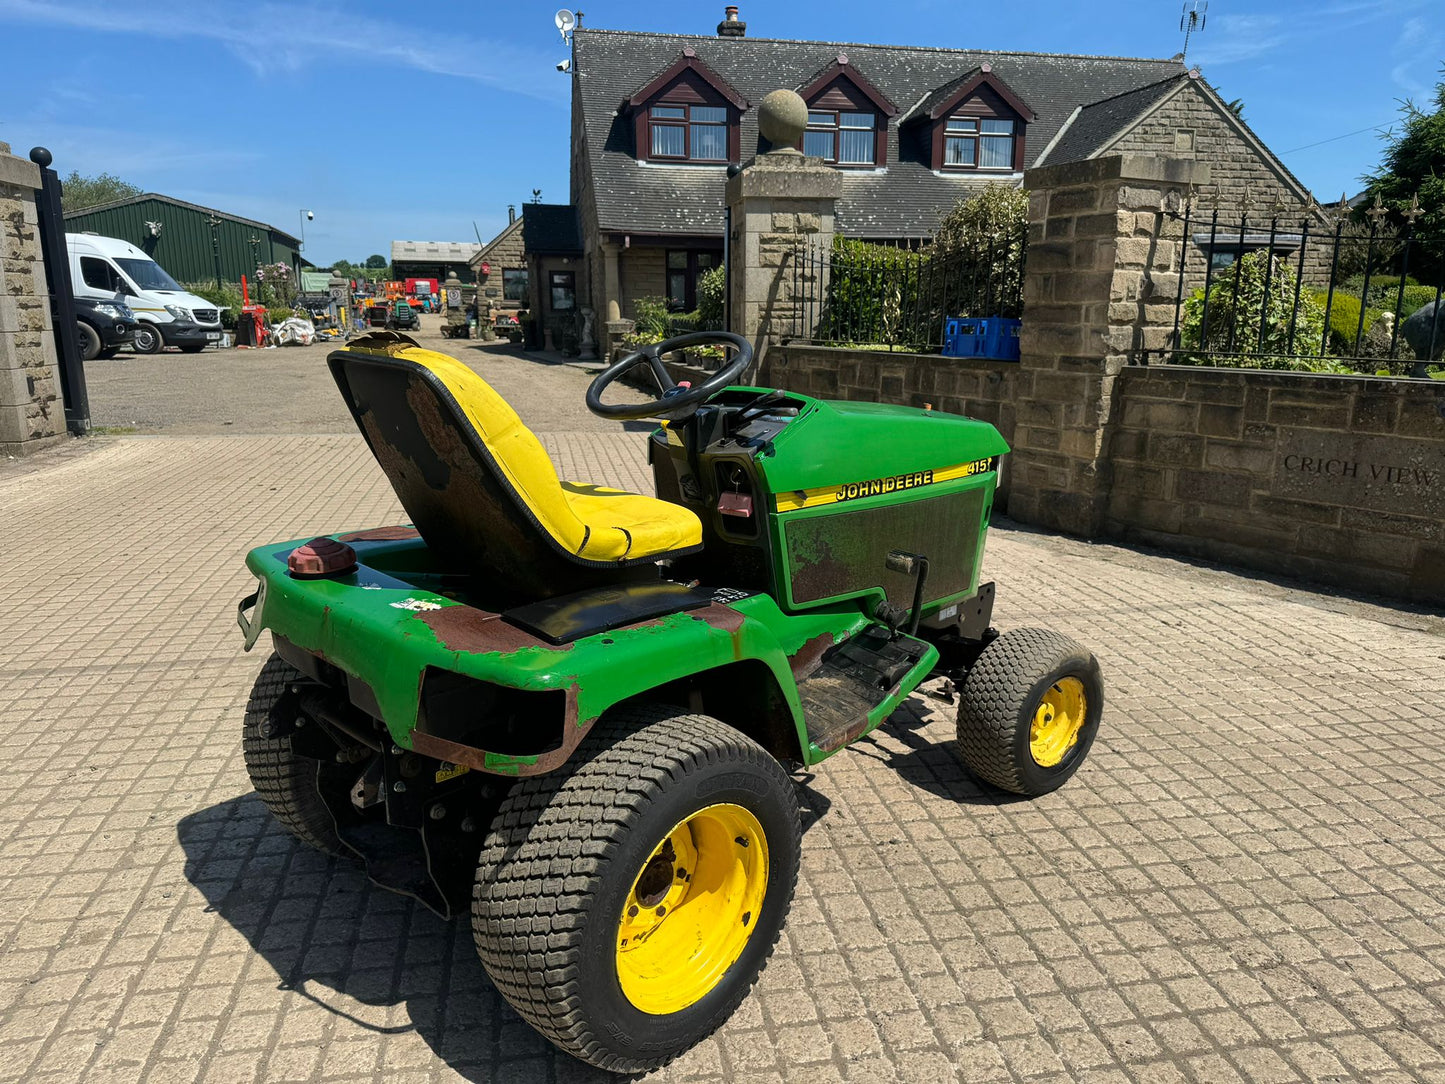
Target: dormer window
point(841, 137)
point(687, 113)
point(693, 133)
point(847, 117)
point(973, 123)
point(978, 143)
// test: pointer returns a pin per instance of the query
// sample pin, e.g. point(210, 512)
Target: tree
point(1414, 166)
point(376, 263)
point(78, 193)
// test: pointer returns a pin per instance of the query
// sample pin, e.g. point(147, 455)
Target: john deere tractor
point(575, 709)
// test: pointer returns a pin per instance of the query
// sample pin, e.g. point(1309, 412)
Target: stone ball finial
point(782, 117)
point(452, 278)
point(41, 157)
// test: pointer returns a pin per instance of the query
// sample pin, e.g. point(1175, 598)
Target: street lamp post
point(302, 216)
point(215, 224)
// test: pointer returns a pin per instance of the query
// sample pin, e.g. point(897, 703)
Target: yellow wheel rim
point(1057, 719)
point(691, 909)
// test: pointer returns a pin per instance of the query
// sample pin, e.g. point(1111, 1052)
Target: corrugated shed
point(184, 246)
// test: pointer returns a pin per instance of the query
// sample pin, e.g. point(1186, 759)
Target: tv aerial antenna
point(565, 21)
point(1191, 21)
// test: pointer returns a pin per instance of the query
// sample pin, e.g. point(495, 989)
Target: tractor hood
point(842, 444)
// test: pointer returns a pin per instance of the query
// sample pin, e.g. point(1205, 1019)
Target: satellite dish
point(565, 20)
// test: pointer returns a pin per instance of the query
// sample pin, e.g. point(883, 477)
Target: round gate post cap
point(782, 117)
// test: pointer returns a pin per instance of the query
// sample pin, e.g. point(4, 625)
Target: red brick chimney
point(731, 27)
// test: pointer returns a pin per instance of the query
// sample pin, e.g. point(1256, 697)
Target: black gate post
point(62, 298)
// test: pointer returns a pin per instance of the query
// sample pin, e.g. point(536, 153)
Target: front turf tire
point(562, 868)
point(288, 785)
point(1027, 687)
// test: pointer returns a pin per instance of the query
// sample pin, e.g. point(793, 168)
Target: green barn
point(188, 240)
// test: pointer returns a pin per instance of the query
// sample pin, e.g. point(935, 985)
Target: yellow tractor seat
point(479, 486)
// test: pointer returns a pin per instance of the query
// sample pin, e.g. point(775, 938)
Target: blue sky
point(414, 121)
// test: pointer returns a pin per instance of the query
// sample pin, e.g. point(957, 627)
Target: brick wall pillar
point(1099, 286)
point(779, 201)
point(32, 415)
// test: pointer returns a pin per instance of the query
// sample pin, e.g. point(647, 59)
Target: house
point(657, 120)
point(500, 268)
point(432, 259)
point(194, 244)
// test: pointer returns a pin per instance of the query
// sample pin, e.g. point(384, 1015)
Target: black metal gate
point(62, 297)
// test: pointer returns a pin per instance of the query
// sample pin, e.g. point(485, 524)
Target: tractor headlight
point(178, 312)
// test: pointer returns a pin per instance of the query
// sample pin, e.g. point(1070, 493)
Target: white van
point(103, 268)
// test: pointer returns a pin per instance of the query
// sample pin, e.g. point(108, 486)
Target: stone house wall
point(1194, 125)
point(505, 253)
point(32, 415)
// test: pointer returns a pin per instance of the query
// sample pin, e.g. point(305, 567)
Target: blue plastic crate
point(994, 337)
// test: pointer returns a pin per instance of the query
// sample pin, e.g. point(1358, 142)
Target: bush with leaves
point(226, 297)
point(1249, 327)
point(711, 291)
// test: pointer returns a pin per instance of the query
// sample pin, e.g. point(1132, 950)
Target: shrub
point(1237, 317)
point(1415, 299)
point(1344, 315)
point(711, 291)
point(226, 297)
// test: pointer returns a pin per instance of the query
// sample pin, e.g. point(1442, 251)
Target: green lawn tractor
point(574, 709)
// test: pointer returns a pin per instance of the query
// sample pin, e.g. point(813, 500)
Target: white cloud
point(323, 31)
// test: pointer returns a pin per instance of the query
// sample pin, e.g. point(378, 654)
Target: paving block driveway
point(1245, 882)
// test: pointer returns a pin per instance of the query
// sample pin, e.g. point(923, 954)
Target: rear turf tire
point(1005, 708)
point(562, 864)
point(288, 785)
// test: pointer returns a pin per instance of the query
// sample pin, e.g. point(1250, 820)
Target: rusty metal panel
point(843, 552)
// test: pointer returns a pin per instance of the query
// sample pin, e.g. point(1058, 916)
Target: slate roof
point(189, 206)
point(1099, 122)
point(551, 228)
point(905, 199)
point(433, 251)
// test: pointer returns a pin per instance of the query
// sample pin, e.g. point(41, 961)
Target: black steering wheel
point(677, 401)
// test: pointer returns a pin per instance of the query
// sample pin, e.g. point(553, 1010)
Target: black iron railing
point(1319, 291)
point(895, 297)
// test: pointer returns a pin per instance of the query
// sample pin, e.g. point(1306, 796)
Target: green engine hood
point(838, 443)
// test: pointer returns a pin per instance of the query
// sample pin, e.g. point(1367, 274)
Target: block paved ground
point(1245, 882)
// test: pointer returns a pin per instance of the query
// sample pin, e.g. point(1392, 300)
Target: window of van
point(148, 275)
point(98, 274)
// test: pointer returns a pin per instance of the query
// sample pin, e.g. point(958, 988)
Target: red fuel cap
point(321, 557)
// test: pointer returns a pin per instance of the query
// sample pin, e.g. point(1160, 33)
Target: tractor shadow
point(363, 953)
point(925, 762)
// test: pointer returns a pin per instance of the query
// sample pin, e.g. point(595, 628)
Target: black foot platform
point(855, 677)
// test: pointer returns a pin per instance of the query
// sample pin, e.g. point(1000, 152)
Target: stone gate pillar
point(32, 415)
point(780, 201)
point(1099, 286)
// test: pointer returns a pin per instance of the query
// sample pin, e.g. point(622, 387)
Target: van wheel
point(89, 341)
point(147, 340)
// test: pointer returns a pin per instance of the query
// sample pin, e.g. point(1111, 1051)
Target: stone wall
point(32, 415)
point(1335, 478)
point(644, 274)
